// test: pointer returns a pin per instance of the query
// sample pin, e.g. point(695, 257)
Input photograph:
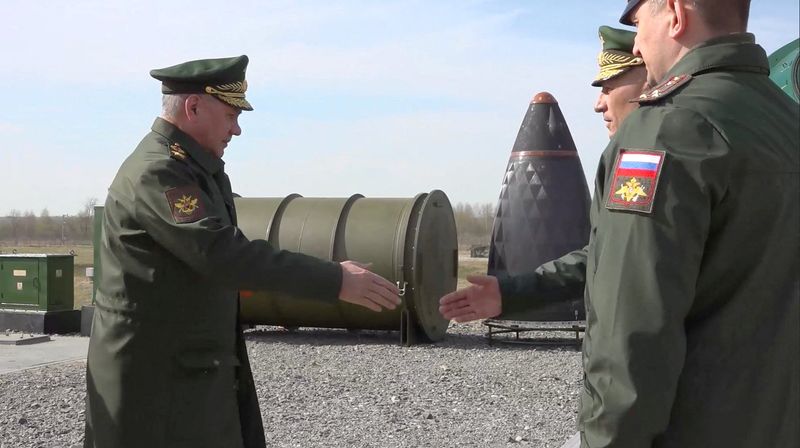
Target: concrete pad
point(14, 358)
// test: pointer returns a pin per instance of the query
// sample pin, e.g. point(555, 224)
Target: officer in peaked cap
point(616, 56)
point(224, 79)
point(692, 303)
point(167, 363)
point(692, 334)
point(622, 77)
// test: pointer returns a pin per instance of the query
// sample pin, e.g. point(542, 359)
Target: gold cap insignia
point(231, 94)
point(613, 63)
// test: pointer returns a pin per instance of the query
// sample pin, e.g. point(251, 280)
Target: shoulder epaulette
point(662, 90)
point(176, 152)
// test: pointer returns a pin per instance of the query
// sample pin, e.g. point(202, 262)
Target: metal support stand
point(516, 327)
point(408, 332)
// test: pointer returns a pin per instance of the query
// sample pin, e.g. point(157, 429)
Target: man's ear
point(678, 18)
point(190, 107)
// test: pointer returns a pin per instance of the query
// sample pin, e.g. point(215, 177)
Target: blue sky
point(382, 98)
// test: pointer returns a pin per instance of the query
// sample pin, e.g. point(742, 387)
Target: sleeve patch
point(185, 204)
point(635, 180)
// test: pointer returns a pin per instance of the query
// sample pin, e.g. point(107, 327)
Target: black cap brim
point(625, 18)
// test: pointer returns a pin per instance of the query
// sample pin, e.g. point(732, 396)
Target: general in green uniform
point(693, 298)
point(692, 272)
point(167, 364)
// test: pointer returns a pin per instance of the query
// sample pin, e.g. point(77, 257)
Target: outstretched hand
point(367, 289)
point(480, 300)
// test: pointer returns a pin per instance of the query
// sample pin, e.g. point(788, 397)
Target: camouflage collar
point(734, 52)
point(169, 131)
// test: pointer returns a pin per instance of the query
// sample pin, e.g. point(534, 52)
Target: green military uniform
point(167, 364)
point(693, 300)
point(692, 290)
point(565, 278)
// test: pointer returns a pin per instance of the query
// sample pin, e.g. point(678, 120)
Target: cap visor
point(625, 18)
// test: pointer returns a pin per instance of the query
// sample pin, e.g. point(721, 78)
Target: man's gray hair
point(172, 105)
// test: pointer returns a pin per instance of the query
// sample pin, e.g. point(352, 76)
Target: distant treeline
point(473, 223)
point(25, 227)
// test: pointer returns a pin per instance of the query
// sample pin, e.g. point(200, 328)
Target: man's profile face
point(616, 92)
point(651, 37)
point(217, 123)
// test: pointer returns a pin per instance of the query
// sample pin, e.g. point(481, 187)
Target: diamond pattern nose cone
point(543, 210)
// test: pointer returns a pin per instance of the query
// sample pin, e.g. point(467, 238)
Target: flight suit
point(167, 364)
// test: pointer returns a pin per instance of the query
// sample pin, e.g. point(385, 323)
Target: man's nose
point(600, 104)
point(236, 129)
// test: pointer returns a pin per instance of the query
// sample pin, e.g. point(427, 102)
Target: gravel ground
point(331, 388)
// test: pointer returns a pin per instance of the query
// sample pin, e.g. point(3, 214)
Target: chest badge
point(635, 180)
point(185, 204)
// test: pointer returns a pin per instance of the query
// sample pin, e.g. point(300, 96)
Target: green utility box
point(37, 282)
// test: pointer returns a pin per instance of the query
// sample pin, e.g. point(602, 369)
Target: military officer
point(622, 77)
point(167, 364)
point(692, 292)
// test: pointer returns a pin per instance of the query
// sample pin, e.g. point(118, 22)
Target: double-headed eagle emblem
point(631, 190)
point(186, 204)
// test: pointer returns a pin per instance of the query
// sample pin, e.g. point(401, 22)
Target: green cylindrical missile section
point(410, 241)
point(784, 67)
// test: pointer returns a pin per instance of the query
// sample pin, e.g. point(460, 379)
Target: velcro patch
point(185, 204)
point(635, 180)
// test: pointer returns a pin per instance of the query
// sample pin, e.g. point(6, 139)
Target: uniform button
point(216, 362)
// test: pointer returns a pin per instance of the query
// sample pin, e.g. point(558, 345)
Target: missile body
point(543, 211)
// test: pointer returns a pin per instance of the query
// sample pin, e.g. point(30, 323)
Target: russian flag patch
point(635, 179)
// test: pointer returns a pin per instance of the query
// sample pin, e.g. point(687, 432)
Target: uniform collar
point(732, 52)
point(171, 132)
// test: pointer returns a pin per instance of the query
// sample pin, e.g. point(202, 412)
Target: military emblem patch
point(635, 179)
point(185, 204)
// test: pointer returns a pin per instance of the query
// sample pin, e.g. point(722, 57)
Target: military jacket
point(167, 364)
point(692, 291)
point(557, 280)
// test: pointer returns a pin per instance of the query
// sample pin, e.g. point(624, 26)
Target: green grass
point(470, 266)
